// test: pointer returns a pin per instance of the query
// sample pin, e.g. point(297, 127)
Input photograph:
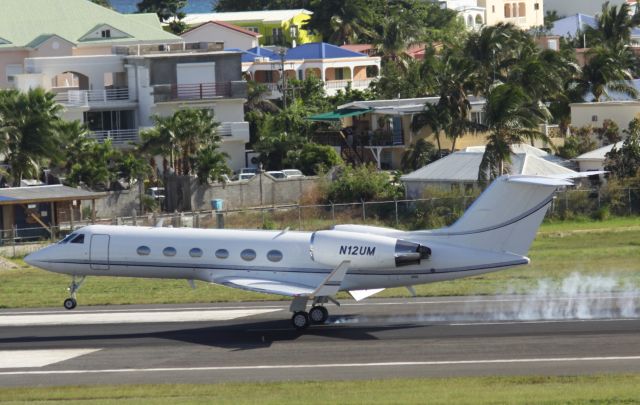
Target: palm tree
point(511, 117)
point(210, 163)
point(613, 26)
point(607, 69)
point(179, 138)
point(341, 21)
point(394, 39)
point(417, 155)
point(451, 80)
point(31, 131)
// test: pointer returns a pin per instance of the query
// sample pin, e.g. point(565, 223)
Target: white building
point(116, 95)
point(594, 160)
point(220, 31)
point(524, 14)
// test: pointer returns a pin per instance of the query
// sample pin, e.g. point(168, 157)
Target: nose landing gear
point(76, 283)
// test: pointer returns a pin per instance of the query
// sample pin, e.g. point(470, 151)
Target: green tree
point(211, 164)
point(179, 137)
point(342, 21)
point(361, 183)
point(279, 134)
point(167, 10)
point(86, 161)
point(613, 26)
point(581, 141)
point(607, 69)
point(256, 107)
point(511, 117)
point(418, 154)
point(31, 131)
point(625, 162)
point(313, 158)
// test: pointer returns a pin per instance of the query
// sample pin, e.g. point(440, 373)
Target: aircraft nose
point(34, 259)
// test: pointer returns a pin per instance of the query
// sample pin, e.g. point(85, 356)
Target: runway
point(379, 338)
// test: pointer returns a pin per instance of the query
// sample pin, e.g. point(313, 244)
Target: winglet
point(332, 283)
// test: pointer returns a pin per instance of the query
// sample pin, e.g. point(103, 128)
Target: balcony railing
point(239, 130)
point(88, 97)
point(117, 136)
point(200, 91)
point(341, 84)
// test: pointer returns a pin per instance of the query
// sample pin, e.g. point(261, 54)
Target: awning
point(337, 115)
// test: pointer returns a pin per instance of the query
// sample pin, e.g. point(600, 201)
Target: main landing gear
point(318, 314)
point(75, 285)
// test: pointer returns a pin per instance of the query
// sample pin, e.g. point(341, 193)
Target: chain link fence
point(405, 214)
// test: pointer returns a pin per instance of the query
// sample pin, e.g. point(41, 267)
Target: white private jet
point(494, 233)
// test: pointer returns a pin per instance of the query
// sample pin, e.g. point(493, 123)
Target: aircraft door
point(99, 252)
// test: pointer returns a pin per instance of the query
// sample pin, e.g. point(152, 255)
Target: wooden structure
point(36, 212)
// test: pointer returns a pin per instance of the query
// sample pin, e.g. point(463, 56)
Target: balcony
point(199, 91)
point(332, 86)
point(90, 98)
point(239, 131)
point(118, 137)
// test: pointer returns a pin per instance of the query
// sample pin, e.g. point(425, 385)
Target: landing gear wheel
point(318, 314)
point(70, 303)
point(300, 320)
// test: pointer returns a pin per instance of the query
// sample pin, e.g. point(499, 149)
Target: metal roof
point(599, 154)
point(463, 166)
point(571, 25)
point(321, 50)
point(27, 23)
point(39, 194)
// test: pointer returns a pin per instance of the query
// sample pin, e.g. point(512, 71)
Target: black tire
point(318, 314)
point(300, 320)
point(70, 303)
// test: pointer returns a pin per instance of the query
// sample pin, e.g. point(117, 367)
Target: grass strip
point(598, 389)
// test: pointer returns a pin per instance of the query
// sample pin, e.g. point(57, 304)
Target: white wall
point(216, 33)
point(621, 112)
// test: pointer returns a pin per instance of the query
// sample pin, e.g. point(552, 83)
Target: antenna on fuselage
point(285, 230)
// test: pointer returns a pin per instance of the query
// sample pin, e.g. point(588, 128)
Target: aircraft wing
point(266, 286)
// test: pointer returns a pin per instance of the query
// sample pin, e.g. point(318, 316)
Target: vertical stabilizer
point(506, 216)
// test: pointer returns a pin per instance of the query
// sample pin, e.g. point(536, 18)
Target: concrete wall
point(163, 69)
point(239, 194)
point(186, 194)
point(10, 58)
point(620, 112)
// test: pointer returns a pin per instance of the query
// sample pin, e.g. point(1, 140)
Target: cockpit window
point(78, 239)
point(68, 238)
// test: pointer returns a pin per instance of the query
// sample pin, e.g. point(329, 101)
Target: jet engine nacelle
point(365, 250)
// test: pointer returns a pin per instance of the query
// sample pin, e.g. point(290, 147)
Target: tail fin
point(507, 215)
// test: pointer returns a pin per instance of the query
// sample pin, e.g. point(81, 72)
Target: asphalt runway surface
point(377, 338)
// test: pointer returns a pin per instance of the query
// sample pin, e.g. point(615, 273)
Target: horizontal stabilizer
point(359, 295)
point(266, 286)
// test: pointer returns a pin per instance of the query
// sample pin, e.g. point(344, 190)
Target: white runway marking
point(84, 318)
point(38, 358)
point(333, 365)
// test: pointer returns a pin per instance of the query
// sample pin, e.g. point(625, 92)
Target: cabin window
point(169, 251)
point(78, 239)
point(195, 252)
point(248, 255)
point(274, 255)
point(68, 238)
point(144, 251)
point(222, 253)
